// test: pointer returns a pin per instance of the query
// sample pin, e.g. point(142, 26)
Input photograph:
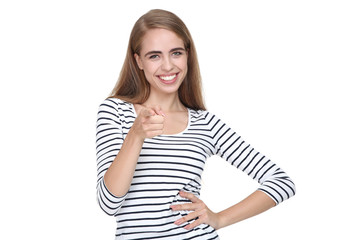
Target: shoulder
point(115, 105)
point(115, 110)
point(203, 117)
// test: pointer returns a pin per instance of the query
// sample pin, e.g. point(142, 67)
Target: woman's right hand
point(149, 123)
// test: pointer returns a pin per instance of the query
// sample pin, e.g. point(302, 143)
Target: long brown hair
point(132, 85)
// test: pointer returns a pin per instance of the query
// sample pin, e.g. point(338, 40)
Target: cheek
point(149, 77)
point(149, 69)
point(182, 64)
point(184, 67)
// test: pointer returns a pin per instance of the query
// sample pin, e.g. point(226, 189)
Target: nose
point(167, 64)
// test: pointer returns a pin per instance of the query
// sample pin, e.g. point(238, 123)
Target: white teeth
point(168, 78)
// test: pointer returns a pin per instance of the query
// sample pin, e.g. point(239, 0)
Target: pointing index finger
point(158, 111)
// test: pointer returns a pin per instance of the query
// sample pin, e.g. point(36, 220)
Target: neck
point(168, 102)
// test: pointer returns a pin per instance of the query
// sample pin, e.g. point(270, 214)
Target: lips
point(169, 78)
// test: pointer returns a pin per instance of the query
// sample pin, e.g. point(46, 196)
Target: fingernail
point(178, 222)
point(162, 113)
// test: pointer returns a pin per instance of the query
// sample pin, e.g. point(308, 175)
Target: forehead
point(160, 39)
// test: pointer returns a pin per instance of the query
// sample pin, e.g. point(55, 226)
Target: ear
point(138, 61)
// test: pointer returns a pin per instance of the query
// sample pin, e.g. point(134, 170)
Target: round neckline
point(175, 134)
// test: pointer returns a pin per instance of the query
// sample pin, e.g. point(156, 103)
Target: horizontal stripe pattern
point(171, 163)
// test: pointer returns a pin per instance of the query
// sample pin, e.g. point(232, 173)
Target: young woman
point(154, 136)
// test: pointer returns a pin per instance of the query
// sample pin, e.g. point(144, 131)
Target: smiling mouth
point(168, 77)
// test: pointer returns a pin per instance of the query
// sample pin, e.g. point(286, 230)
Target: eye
point(153, 56)
point(177, 53)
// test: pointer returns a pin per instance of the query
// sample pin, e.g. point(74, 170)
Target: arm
point(109, 140)
point(254, 204)
point(118, 177)
point(275, 185)
point(121, 171)
point(117, 157)
point(273, 181)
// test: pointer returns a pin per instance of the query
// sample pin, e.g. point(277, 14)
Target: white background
point(283, 74)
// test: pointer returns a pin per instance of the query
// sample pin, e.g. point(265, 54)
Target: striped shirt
point(170, 163)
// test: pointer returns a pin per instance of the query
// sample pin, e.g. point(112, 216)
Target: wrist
point(221, 220)
point(134, 137)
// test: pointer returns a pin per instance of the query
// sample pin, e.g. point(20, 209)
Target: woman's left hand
point(200, 210)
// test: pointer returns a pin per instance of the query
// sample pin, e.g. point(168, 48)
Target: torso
point(168, 164)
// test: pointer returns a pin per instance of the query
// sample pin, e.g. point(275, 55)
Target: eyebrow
point(159, 52)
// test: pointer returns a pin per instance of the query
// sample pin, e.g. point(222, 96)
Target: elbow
point(292, 188)
point(108, 202)
point(106, 209)
point(279, 189)
point(109, 209)
point(288, 188)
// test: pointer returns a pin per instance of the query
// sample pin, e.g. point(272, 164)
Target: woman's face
point(163, 58)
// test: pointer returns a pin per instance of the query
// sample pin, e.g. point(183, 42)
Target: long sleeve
point(232, 147)
point(109, 139)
